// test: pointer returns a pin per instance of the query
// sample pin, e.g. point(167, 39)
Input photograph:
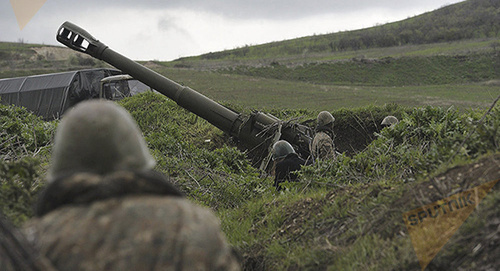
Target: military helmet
point(281, 149)
point(389, 120)
point(99, 137)
point(325, 118)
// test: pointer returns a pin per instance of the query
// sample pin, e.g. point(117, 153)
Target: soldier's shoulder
point(322, 138)
point(322, 146)
point(119, 224)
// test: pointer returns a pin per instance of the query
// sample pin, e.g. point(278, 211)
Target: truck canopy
point(49, 95)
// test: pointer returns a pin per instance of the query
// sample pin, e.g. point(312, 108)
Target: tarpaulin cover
point(49, 95)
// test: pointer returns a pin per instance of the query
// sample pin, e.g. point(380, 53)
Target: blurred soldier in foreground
point(104, 208)
point(322, 146)
point(389, 121)
point(285, 161)
point(16, 253)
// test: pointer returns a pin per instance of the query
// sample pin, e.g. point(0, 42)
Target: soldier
point(389, 121)
point(104, 208)
point(16, 253)
point(286, 161)
point(322, 146)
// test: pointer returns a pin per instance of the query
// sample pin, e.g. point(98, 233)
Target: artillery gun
point(256, 131)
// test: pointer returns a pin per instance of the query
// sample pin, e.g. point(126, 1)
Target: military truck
point(117, 87)
point(50, 95)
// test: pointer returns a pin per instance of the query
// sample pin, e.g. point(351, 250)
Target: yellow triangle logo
point(25, 10)
point(431, 226)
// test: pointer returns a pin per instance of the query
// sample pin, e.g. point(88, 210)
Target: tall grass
point(25, 142)
point(343, 214)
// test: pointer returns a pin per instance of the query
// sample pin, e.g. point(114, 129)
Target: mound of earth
point(55, 53)
point(475, 246)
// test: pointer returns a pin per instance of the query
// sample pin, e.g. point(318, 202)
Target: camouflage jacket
point(322, 146)
point(126, 221)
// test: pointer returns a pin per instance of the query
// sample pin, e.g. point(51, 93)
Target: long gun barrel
point(255, 131)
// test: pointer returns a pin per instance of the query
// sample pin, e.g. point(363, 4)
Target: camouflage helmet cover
point(389, 120)
point(100, 137)
point(325, 118)
point(281, 149)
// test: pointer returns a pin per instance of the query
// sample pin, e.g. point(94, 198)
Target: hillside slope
point(23, 59)
point(466, 20)
point(344, 214)
point(454, 45)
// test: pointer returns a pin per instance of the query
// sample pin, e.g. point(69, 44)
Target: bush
point(197, 156)
point(19, 185)
point(422, 141)
point(22, 132)
point(25, 140)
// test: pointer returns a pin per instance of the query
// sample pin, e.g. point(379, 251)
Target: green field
point(264, 93)
point(483, 45)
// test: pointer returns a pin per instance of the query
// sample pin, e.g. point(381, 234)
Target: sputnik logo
point(431, 226)
point(25, 10)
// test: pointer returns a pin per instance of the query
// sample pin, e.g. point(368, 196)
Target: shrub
point(25, 140)
point(197, 156)
point(425, 139)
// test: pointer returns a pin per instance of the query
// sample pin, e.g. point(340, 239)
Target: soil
point(45, 59)
point(479, 249)
point(55, 53)
point(351, 139)
point(387, 221)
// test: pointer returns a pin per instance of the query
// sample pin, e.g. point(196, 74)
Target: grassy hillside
point(343, 215)
point(22, 59)
point(461, 72)
point(466, 20)
point(404, 71)
point(269, 93)
point(462, 81)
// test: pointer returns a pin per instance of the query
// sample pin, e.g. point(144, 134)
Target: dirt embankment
point(52, 53)
point(475, 246)
point(34, 60)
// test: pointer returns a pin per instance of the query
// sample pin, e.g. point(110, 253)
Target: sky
point(169, 29)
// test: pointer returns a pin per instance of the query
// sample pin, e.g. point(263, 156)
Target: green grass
point(20, 59)
point(264, 93)
point(403, 71)
point(472, 19)
point(25, 142)
point(344, 214)
point(483, 45)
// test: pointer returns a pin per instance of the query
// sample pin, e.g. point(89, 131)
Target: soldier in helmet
point(286, 161)
point(104, 208)
point(322, 146)
point(389, 121)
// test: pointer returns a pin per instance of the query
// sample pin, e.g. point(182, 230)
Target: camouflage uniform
point(126, 221)
point(104, 208)
point(322, 146)
point(16, 253)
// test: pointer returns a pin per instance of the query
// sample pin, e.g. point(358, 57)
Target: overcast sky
point(169, 29)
